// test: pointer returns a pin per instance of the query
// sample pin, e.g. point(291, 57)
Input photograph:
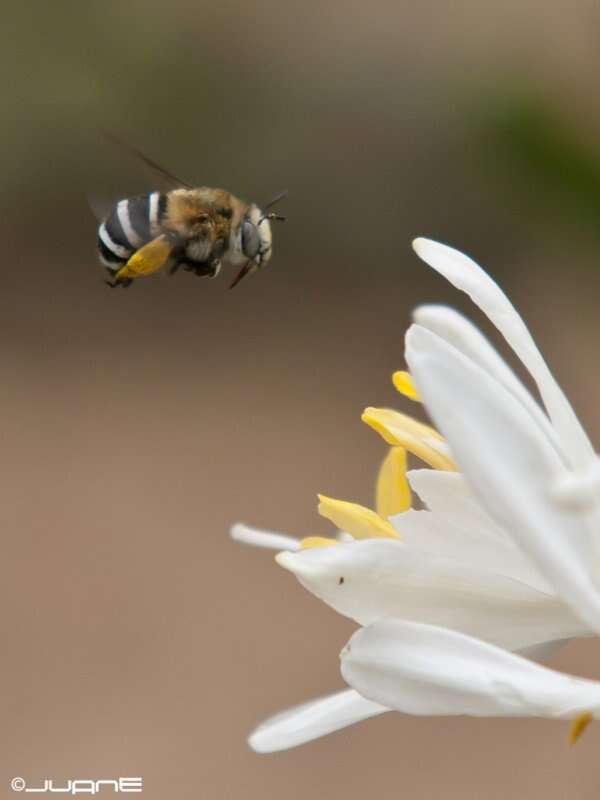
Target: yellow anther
point(392, 492)
point(358, 521)
point(316, 541)
point(404, 384)
point(401, 430)
point(579, 725)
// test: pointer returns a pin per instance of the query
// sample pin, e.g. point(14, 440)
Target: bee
point(197, 229)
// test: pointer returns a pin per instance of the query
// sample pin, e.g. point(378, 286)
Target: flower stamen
point(419, 439)
point(392, 491)
point(316, 541)
point(358, 521)
point(579, 725)
point(404, 384)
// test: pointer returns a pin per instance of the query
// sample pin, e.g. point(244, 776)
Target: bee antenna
point(272, 218)
point(276, 199)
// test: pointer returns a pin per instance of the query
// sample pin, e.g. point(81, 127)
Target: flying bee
point(198, 229)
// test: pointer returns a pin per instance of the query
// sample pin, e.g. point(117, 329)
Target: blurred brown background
point(137, 426)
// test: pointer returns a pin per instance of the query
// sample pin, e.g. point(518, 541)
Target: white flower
point(503, 551)
point(424, 669)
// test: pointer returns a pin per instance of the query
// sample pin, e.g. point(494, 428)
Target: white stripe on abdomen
point(123, 213)
point(153, 213)
point(117, 249)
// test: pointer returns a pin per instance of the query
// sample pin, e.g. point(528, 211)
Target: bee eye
point(250, 239)
point(226, 212)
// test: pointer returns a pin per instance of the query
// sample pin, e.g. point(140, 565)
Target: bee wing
point(132, 173)
point(148, 259)
point(102, 204)
point(172, 180)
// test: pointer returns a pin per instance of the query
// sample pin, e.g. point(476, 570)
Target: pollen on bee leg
point(404, 384)
point(358, 521)
point(579, 725)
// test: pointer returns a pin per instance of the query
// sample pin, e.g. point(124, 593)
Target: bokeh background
point(137, 426)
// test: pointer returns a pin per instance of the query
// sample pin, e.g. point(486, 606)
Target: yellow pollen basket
point(403, 383)
point(358, 521)
point(579, 725)
point(147, 260)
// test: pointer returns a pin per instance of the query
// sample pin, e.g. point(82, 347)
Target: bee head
point(254, 241)
point(256, 236)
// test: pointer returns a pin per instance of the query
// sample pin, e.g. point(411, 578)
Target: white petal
point(268, 539)
point(448, 493)
point(456, 509)
point(543, 652)
point(462, 529)
point(421, 669)
point(580, 489)
point(509, 464)
point(461, 539)
point(311, 720)
point(376, 578)
point(457, 330)
point(466, 275)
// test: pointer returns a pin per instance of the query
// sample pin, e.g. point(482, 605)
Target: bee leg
point(174, 268)
point(124, 282)
point(110, 281)
point(207, 270)
point(216, 268)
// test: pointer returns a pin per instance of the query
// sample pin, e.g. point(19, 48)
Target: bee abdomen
point(132, 223)
point(145, 213)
